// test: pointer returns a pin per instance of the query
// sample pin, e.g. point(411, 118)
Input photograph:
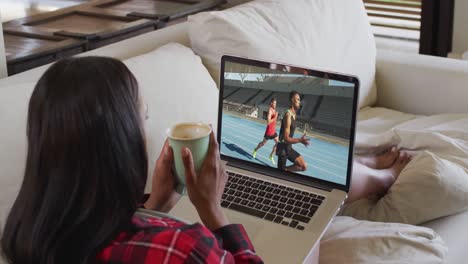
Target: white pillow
point(177, 88)
point(348, 240)
point(331, 35)
point(14, 102)
point(429, 187)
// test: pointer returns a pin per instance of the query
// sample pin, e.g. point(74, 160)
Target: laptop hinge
point(281, 175)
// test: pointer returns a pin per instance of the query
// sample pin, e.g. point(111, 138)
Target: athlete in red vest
point(270, 132)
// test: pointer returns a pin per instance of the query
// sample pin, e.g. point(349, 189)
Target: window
point(395, 18)
point(428, 23)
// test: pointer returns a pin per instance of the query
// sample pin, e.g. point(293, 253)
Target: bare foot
point(400, 163)
point(382, 161)
point(385, 178)
point(372, 183)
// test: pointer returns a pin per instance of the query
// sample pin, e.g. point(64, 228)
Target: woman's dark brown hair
point(86, 163)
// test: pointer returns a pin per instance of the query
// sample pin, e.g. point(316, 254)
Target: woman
point(85, 175)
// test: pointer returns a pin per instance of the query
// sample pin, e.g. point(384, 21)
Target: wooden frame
point(187, 7)
point(58, 48)
point(115, 25)
point(49, 36)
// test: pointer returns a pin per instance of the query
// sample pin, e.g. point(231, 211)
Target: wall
point(460, 27)
point(3, 68)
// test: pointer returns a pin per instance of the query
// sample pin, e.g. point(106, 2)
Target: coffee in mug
point(194, 136)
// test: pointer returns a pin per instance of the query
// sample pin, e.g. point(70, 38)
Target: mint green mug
point(194, 136)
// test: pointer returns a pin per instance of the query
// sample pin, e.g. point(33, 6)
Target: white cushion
point(348, 240)
point(14, 102)
point(177, 88)
point(331, 35)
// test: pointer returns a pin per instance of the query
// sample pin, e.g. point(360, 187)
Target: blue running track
point(325, 160)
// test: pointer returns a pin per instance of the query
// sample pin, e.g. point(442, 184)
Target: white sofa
point(414, 84)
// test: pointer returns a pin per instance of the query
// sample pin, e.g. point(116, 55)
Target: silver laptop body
point(285, 213)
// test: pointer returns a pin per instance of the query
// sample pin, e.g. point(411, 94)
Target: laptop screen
point(293, 120)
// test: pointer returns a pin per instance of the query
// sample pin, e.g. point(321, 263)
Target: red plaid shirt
point(164, 240)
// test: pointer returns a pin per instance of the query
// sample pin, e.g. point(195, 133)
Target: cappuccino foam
point(190, 131)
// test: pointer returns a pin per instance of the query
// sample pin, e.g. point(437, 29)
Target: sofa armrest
point(421, 84)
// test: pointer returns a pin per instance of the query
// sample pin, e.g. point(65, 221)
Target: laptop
point(283, 191)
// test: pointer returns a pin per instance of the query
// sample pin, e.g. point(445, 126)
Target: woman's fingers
point(190, 175)
point(168, 156)
point(213, 143)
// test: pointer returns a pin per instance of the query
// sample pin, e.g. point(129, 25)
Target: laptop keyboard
point(273, 202)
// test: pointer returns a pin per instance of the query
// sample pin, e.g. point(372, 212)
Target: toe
point(407, 158)
point(401, 158)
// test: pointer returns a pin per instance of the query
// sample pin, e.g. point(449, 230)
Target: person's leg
point(382, 161)
point(367, 181)
point(282, 162)
point(297, 159)
point(261, 144)
point(274, 147)
point(273, 151)
point(299, 165)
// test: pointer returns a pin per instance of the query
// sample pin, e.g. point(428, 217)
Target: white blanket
point(435, 183)
point(442, 134)
point(352, 241)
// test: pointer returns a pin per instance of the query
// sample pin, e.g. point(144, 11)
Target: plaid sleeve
point(235, 240)
point(169, 241)
point(233, 246)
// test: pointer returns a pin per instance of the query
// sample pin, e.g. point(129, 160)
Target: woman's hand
point(163, 196)
point(206, 188)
